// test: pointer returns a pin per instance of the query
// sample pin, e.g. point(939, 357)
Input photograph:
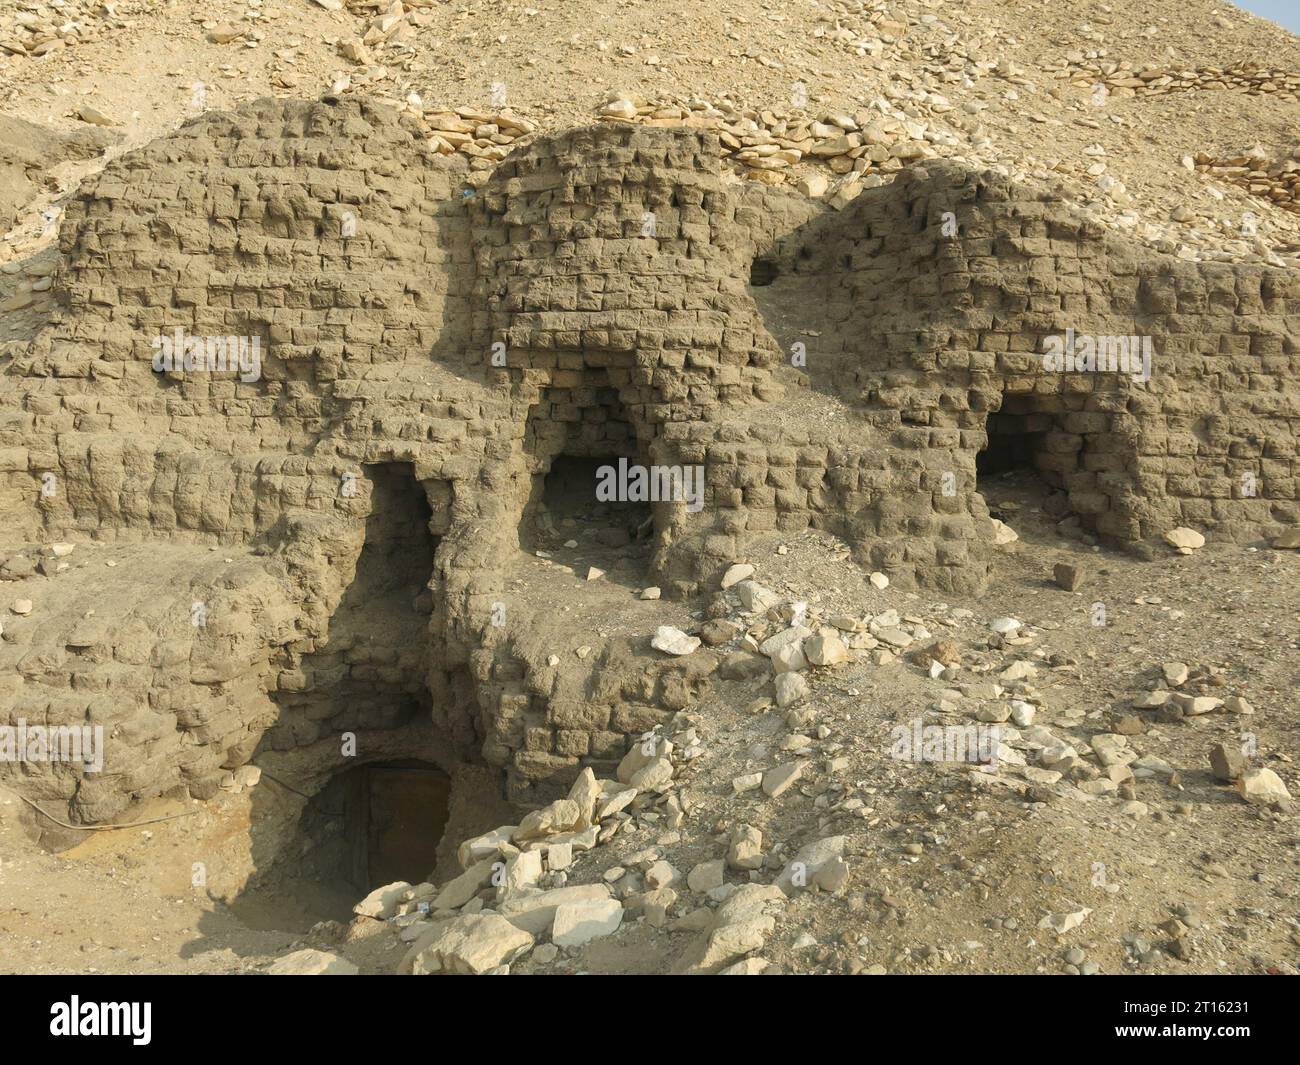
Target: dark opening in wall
point(1030, 464)
point(576, 503)
point(369, 669)
point(365, 676)
point(578, 438)
point(1014, 443)
point(397, 556)
point(369, 826)
point(394, 815)
point(763, 271)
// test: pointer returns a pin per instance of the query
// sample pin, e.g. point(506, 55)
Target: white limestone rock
point(1262, 787)
point(791, 688)
point(473, 944)
point(740, 571)
point(312, 963)
point(755, 598)
point(382, 903)
point(535, 912)
point(674, 642)
point(577, 923)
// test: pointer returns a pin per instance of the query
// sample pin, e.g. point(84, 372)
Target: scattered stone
point(789, 659)
point(747, 967)
point(522, 872)
point(577, 923)
point(1022, 713)
point(1184, 540)
point(944, 652)
point(735, 574)
point(793, 636)
point(1262, 786)
point(585, 792)
point(674, 642)
point(755, 598)
point(746, 848)
point(791, 688)
point(1017, 671)
point(1127, 725)
point(382, 903)
point(1003, 533)
point(1068, 575)
point(621, 109)
point(487, 845)
point(895, 637)
point(715, 633)
point(312, 963)
point(1195, 705)
point(224, 34)
point(94, 116)
point(777, 781)
point(461, 889)
point(661, 874)
point(1228, 762)
point(826, 651)
point(534, 912)
point(813, 185)
point(1060, 923)
point(1112, 750)
point(707, 875)
point(613, 803)
point(818, 865)
point(741, 927)
point(472, 944)
point(562, 815)
point(643, 754)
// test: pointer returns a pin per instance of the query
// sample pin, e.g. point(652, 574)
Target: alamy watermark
point(32, 744)
point(1084, 353)
point(181, 353)
point(630, 483)
point(77, 1018)
point(916, 741)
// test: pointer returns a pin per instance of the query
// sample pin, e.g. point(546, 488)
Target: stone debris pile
point(541, 889)
point(767, 144)
point(1274, 180)
point(1124, 80)
point(486, 137)
point(42, 28)
point(517, 893)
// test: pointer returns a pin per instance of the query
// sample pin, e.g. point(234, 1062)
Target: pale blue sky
point(1285, 12)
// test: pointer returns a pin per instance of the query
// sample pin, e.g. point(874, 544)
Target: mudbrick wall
point(325, 546)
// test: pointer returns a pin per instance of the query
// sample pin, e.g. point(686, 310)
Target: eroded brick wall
point(613, 265)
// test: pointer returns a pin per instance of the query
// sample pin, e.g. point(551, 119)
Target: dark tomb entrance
point(393, 816)
point(1015, 442)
